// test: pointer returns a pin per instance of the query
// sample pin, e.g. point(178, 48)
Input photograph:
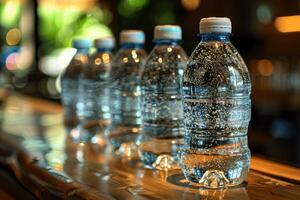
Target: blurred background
point(35, 38)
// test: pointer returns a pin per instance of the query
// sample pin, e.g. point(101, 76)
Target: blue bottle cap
point(132, 36)
point(167, 32)
point(81, 43)
point(106, 42)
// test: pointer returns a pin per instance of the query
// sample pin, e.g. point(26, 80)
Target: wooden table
point(32, 146)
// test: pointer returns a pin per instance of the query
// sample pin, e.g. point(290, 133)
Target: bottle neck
point(103, 50)
point(222, 37)
point(82, 51)
point(132, 46)
point(166, 41)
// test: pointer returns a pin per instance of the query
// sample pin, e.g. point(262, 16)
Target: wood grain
point(39, 158)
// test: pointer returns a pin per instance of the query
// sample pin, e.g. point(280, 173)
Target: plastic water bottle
point(217, 110)
point(70, 81)
point(127, 68)
point(162, 110)
point(93, 97)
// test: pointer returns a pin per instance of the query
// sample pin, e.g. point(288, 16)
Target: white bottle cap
point(80, 43)
point(167, 32)
point(132, 36)
point(215, 25)
point(106, 42)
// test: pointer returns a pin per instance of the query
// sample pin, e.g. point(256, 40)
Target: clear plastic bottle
point(93, 97)
point(70, 82)
point(162, 110)
point(125, 90)
point(217, 110)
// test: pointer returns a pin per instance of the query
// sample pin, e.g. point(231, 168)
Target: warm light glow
point(78, 4)
point(11, 61)
point(82, 58)
point(25, 57)
point(106, 58)
point(125, 60)
point(81, 144)
point(133, 53)
point(160, 60)
point(97, 61)
point(13, 36)
point(288, 24)
point(75, 133)
point(265, 67)
point(190, 5)
point(135, 130)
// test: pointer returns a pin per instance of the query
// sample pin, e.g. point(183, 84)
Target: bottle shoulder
point(165, 62)
point(130, 56)
point(74, 69)
point(105, 56)
point(128, 61)
point(217, 66)
point(99, 66)
point(127, 65)
point(164, 67)
point(166, 54)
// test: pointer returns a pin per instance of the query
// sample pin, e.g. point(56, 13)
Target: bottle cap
point(132, 36)
point(215, 25)
point(106, 42)
point(167, 32)
point(81, 43)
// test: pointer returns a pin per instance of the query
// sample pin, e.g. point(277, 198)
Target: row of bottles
point(85, 93)
point(165, 109)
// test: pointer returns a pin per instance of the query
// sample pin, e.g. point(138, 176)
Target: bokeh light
point(264, 14)
point(265, 67)
point(25, 57)
point(12, 61)
point(130, 7)
point(13, 36)
point(288, 23)
point(10, 13)
point(77, 4)
point(190, 5)
point(54, 64)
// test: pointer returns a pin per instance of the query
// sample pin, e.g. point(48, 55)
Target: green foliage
point(164, 13)
point(9, 13)
point(58, 26)
point(130, 7)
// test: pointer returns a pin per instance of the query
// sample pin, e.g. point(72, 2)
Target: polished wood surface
point(33, 147)
point(11, 189)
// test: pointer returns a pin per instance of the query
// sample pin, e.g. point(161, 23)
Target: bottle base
point(160, 154)
point(123, 141)
point(215, 171)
